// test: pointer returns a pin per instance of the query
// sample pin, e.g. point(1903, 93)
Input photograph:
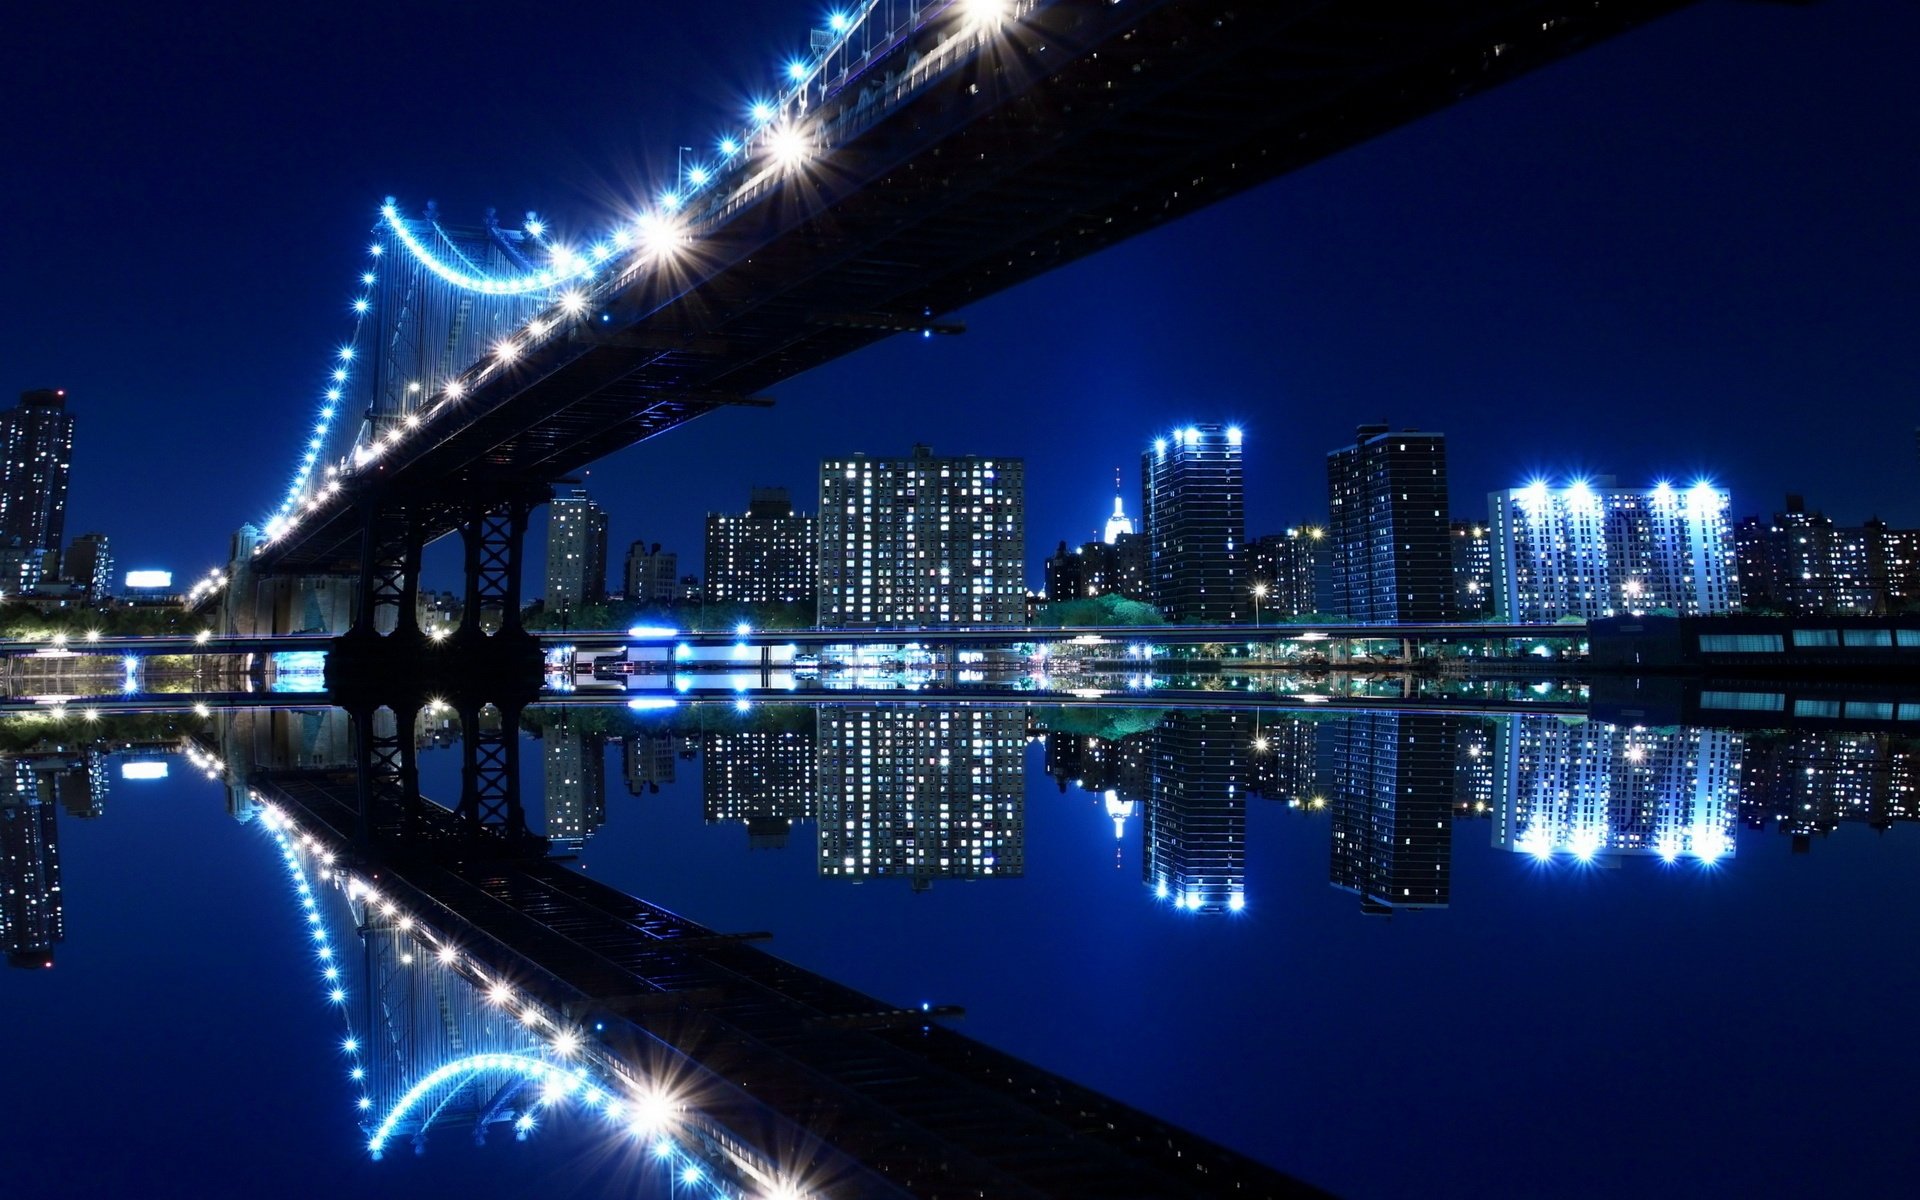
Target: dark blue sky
point(1690, 250)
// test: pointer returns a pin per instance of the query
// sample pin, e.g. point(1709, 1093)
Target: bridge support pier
point(490, 771)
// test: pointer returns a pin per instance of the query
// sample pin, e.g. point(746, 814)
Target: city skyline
point(1322, 385)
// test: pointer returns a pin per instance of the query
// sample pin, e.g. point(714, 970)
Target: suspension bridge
point(920, 157)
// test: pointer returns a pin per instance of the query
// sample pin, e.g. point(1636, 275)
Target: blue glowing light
point(729, 146)
point(838, 22)
point(796, 70)
point(762, 111)
point(652, 703)
point(697, 176)
point(367, 277)
point(653, 631)
point(360, 306)
point(690, 1175)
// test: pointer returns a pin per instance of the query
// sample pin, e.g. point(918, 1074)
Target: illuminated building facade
point(922, 541)
point(1809, 783)
point(1593, 550)
point(1802, 563)
point(1194, 496)
point(576, 551)
point(32, 912)
point(770, 555)
point(767, 779)
point(88, 563)
point(1392, 802)
point(1283, 571)
point(1387, 503)
point(576, 781)
point(1472, 570)
point(922, 793)
point(1593, 790)
point(1196, 811)
point(36, 440)
point(1099, 569)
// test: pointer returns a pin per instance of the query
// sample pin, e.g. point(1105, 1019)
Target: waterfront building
point(1285, 759)
point(762, 777)
point(1387, 503)
point(576, 781)
point(1283, 571)
point(922, 793)
point(1590, 549)
point(767, 556)
point(1393, 796)
point(1593, 790)
point(1192, 486)
point(648, 760)
point(652, 575)
point(922, 540)
point(1472, 570)
point(576, 551)
point(36, 456)
point(32, 910)
point(1803, 564)
point(1195, 838)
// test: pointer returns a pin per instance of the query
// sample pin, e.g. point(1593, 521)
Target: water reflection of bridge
point(741, 1067)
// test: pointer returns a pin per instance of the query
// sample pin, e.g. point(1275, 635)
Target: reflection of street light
point(1259, 594)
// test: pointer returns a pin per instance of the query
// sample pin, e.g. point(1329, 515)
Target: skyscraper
point(1393, 792)
point(1287, 566)
point(1594, 550)
point(36, 438)
point(768, 556)
point(576, 781)
point(1472, 570)
point(1196, 821)
point(924, 793)
point(1387, 496)
point(1193, 509)
point(922, 540)
point(32, 916)
point(576, 551)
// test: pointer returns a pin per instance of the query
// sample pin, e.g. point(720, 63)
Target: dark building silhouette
point(1193, 505)
point(36, 438)
point(32, 913)
point(1802, 563)
point(576, 551)
point(647, 761)
point(576, 780)
point(1387, 496)
point(1393, 797)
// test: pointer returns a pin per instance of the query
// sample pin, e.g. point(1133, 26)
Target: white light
point(796, 71)
point(838, 22)
point(729, 147)
point(743, 629)
point(367, 277)
point(698, 176)
point(506, 351)
point(536, 228)
point(984, 12)
point(788, 145)
point(1233, 435)
point(346, 354)
point(762, 112)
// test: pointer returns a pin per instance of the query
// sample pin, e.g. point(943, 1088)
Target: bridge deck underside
point(928, 1110)
point(1087, 124)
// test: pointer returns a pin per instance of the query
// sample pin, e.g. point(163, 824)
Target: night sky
point(1689, 251)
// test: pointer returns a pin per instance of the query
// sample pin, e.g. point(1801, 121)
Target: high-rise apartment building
point(1283, 571)
point(766, 778)
point(1472, 547)
point(1196, 812)
point(89, 563)
point(768, 556)
point(652, 575)
point(1193, 506)
point(922, 540)
point(922, 793)
point(32, 912)
point(1387, 502)
point(576, 551)
point(36, 439)
point(1590, 549)
point(576, 781)
point(1592, 789)
point(1393, 794)
point(1803, 563)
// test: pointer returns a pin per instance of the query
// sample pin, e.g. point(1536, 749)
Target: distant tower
point(1193, 486)
point(1119, 522)
point(36, 438)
